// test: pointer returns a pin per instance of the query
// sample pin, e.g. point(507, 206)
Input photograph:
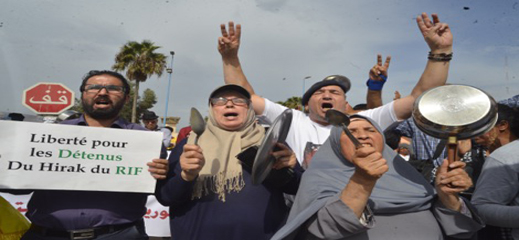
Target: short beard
point(102, 114)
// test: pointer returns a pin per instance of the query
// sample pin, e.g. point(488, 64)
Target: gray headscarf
point(400, 190)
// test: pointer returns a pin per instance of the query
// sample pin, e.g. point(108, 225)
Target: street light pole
point(304, 88)
point(170, 72)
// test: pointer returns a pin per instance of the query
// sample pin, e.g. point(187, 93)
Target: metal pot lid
point(264, 160)
point(455, 110)
point(454, 105)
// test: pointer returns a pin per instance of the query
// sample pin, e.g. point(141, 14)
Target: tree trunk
point(135, 97)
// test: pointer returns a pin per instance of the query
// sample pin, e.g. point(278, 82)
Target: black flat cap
point(338, 80)
point(230, 87)
point(149, 115)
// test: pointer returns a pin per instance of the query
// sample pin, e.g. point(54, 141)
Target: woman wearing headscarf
point(209, 191)
point(372, 193)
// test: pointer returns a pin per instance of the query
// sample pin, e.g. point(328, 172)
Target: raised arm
point(185, 163)
point(349, 215)
point(369, 167)
point(228, 46)
point(377, 78)
point(438, 37)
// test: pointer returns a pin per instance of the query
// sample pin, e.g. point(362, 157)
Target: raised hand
point(191, 162)
point(436, 34)
point(158, 168)
point(397, 95)
point(369, 164)
point(450, 182)
point(284, 157)
point(229, 42)
point(379, 69)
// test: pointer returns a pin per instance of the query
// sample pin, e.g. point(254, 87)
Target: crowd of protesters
point(396, 184)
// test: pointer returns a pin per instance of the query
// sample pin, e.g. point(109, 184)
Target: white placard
point(70, 157)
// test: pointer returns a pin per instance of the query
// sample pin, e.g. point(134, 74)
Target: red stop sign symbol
point(48, 98)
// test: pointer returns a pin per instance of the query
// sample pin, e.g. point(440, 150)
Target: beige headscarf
point(222, 172)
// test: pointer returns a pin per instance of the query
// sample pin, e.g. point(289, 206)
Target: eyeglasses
point(95, 88)
point(220, 101)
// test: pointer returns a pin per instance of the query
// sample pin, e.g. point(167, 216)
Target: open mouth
point(326, 106)
point(231, 114)
point(102, 101)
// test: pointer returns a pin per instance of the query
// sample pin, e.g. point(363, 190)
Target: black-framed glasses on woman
point(220, 101)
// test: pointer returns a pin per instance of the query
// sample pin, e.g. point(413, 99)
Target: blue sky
point(59, 41)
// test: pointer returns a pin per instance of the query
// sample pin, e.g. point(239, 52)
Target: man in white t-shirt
point(308, 132)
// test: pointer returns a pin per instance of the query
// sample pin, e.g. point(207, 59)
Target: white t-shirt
point(306, 136)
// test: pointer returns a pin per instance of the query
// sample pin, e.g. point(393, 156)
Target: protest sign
point(70, 157)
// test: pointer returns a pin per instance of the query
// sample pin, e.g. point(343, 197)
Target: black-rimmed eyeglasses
point(95, 88)
point(220, 101)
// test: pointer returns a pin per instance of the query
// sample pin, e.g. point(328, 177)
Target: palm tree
point(293, 102)
point(140, 63)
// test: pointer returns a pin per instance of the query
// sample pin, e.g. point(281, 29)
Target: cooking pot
point(455, 112)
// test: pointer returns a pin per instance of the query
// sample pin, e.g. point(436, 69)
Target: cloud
point(60, 40)
point(271, 5)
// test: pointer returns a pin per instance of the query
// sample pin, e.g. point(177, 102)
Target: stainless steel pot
point(455, 112)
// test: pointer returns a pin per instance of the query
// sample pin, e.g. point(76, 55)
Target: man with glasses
point(308, 132)
point(150, 121)
point(60, 214)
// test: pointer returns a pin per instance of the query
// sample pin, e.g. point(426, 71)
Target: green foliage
point(148, 100)
point(293, 102)
point(140, 62)
point(77, 105)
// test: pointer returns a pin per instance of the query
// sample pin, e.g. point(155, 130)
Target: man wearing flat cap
point(310, 131)
point(150, 121)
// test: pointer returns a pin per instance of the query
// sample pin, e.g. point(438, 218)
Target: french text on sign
point(68, 157)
